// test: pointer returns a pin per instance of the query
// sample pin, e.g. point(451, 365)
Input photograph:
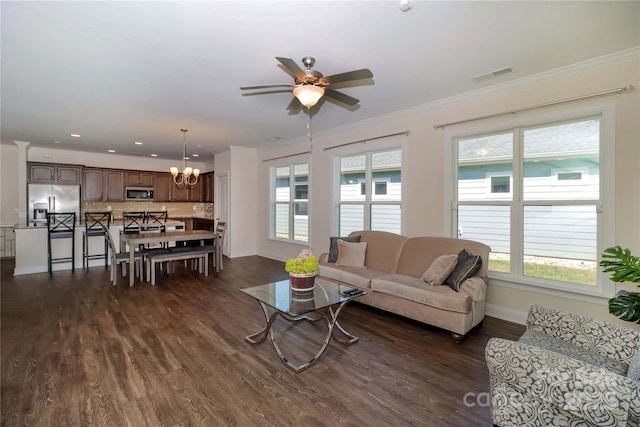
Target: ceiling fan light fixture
point(308, 95)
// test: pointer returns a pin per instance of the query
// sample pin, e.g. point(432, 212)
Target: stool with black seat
point(61, 225)
point(93, 222)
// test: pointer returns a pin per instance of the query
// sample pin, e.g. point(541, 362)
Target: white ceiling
point(118, 72)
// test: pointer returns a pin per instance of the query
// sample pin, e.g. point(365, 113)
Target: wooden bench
point(199, 253)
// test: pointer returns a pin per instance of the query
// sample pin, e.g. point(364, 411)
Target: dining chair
point(155, 222)
point(221, 229)
point(156, 218)
point(132, 222)
point(92, 228)
point(61, 225)
point(120, 258)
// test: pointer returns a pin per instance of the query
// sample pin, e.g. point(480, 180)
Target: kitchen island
point(31, 247)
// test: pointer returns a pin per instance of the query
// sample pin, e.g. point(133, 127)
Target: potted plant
point(302, 270)
point(625, 268)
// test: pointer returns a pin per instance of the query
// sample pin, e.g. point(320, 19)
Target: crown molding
point(627, 55)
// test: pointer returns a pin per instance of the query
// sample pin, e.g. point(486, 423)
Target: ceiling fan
point(310, 85)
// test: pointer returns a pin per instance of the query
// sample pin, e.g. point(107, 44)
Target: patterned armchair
point(565, 370)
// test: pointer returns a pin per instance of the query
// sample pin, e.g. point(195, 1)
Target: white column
point(22, 180)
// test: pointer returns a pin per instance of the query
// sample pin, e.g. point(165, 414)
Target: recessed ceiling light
point(75, 135)
point(196, 155)
point(154, 155)
point(56, 142)
point(137, 142)
point(111, 151)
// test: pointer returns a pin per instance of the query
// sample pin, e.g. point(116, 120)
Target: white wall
point(8, 191)
point(239, 164)
point(424, 177)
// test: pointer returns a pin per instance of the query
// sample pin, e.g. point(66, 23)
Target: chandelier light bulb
point(187, 171)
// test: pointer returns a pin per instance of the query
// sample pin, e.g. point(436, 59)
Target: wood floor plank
point(77, 351)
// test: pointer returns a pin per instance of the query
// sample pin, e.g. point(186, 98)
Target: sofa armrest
point(475, 287)
point(323, 258)
point(603, 338)
point(551, 380)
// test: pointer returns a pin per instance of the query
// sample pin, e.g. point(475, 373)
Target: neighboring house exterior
point(550, 173)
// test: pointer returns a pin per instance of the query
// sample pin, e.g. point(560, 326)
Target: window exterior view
point(533, 195)
point(291, 202)
point(370, 193)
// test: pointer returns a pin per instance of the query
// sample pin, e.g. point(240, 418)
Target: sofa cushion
point(359, 277)
point(440, 269)
point(333, 247)
point(383, 250)
point(351, 254)
point(414, 289)
point(467, 266)
point(542, 340)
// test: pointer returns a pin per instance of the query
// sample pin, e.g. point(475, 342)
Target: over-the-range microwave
point(138, 193)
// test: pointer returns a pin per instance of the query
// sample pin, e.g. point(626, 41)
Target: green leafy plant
point(625, 268)
point(302, 266)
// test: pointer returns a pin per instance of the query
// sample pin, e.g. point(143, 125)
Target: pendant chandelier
point(187, 172)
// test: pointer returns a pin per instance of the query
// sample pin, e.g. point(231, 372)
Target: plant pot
point(302, 282)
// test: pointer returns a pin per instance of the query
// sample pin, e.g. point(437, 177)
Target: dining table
point(134, 240)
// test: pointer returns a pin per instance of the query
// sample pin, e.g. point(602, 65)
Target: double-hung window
point(290, 202)
point(535, 194)
point(370, 191)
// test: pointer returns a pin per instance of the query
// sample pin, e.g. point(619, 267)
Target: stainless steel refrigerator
point(58, 198)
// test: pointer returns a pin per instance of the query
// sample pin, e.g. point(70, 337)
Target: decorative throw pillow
point(333, 248)
point(467, 266)
point(351, 254)
point(634, 367)
point(440, 269)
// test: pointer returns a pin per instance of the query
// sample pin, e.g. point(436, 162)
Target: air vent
point(492, 74)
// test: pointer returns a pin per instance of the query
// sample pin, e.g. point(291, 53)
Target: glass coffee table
point(325, 301)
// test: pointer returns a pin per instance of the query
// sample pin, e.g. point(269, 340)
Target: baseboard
point(238, 254)
point(274, 256)
point(507, 314)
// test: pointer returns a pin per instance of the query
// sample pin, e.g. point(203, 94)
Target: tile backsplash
point(174, 209)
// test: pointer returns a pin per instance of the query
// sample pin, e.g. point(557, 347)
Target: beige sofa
point(392, 277)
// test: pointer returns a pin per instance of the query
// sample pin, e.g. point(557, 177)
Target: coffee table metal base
point(332, 321)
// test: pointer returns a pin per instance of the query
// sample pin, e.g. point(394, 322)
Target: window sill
point(593, 296)
point(298, 243)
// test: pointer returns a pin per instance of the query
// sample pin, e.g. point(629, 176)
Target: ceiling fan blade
point(294, 105)
point(266, 86)
point(291, 65)
point(365, 73)
point(341, 97)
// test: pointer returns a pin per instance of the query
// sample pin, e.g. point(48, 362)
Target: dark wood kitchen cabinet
point(179, 193)
point(113, 185)
point(49, 173)
point(164, 182)
point(92, 189)
point(139, 179)
point(208, 187)
point(103, 185)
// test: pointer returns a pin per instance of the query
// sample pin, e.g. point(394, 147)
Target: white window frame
point(368, 148)
point(289, 162)
point(605, 209)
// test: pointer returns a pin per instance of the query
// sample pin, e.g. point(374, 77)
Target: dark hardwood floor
point(77, 351)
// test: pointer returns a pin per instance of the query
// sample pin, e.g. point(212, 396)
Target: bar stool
point(93, 222)
point(132, 222)
point(61, 225)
